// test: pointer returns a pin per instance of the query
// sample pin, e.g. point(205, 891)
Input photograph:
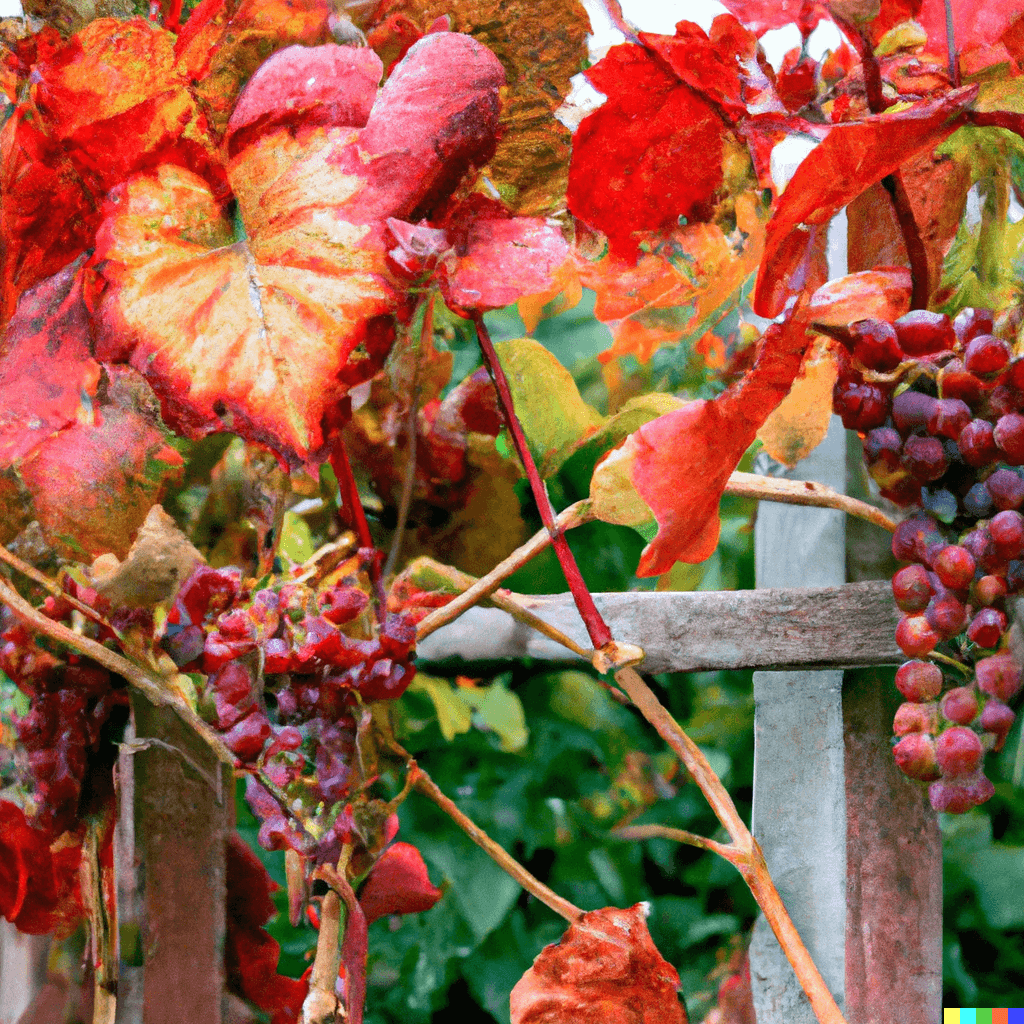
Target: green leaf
point(547, 402)
point(482, 890)
point(501, 711)
point(454, 715)
point(296, 538)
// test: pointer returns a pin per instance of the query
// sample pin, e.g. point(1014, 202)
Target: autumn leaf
point(225, 41)
point(398, 884)
point(553, 429)
point(852, 156)
point(650, 155)
point(541, 46)
point(605, 970)
point(800, 422)
point(92, 484)
point(48, 376)
point(267, 334)
point(683, 289)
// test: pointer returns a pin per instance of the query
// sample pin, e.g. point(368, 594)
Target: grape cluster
point(76, 711)
point(940, 407)
point(288, 667)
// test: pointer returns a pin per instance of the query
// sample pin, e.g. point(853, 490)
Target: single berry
point(947, 615)
point(987, 627)
point(958, 751)
point(977, 443)
point(1006, 488)
point(960, 705)
point(971, 322)
point(997, 719)
point(912, 589)
point(955, 382)
point(989, 590)
point(948, 418)
point(919, 681)
point(861, 406)
point(915, 636)
point(999, 676)
point(911, 410)
point(883, 445)
point(915, 757)
point(950, 797)
point(1009, 436)
point(986, 355)
point(875, 346)
point(955, 566)
point(911, 717)
point(977, 502)
point(1007, 531)
point(925, 458)
point(921, 332)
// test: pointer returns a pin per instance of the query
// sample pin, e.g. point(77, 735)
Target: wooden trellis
point(853, 848)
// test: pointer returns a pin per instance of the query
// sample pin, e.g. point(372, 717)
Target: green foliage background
point(550, 763)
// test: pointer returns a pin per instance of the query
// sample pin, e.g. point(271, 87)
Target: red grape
point(999, 676)
point(946, 615)
point(989, 590)
point(958, 751)
point(875, 345)
point(955, 566)
point(921, 332)
point(956, 382)
point(986, 354)
point(960, 705)
point(1006, 489)
point(915, 636)
point(912, 589)
point(915, 757)
point(925, 458)
point(997, 719)
point(977, 443)
point(911, 717)
point(987, 627)
point(1007, 531)
point(950, 797)
point(861, 406)
point(971, 322)
point(911, 410)
point(948, 417)
point(1009, 436)
point(919, 681)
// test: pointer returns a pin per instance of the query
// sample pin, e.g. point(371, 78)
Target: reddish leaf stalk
point(893, 184)
point(353, 951)
point(869, 62)
point(350, 499)
point(597, 628)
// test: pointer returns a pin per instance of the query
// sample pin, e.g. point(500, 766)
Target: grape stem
point(805, 492)
point(574, 515)
point(321, 1004)
point(102, 930)
point(743, 852)
point(424, 784)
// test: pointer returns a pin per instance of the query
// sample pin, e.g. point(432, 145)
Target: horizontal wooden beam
point(820, 627)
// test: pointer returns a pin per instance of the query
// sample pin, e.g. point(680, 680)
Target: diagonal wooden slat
point(774, 628)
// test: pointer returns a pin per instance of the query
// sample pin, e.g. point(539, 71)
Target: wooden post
point(799, 814)
point(181, 821)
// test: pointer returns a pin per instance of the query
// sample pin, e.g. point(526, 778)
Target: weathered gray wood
point(799, 814)
point(22, 970)
point(816, 627)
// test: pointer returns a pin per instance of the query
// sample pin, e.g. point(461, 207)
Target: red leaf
point(650, 155)
point(305, 86)
point(974, 24)
point(47, 370)
point(38, 891)
point(92, 484)
point(682, 460)
point(852, 157)
point(268, 334)
point(250, 954)
point(496, 259)
point(47, 216)
point(398, 884)
point(760, 16)
point(605, 970)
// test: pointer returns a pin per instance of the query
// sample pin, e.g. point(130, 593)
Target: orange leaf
point(605, 970)
point(682, 460)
